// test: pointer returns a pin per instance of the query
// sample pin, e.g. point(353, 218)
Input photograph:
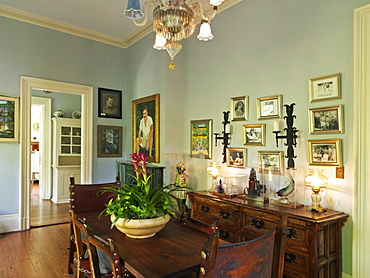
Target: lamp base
point(317, 209)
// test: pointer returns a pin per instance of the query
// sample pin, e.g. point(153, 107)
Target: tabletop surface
point(173, 252)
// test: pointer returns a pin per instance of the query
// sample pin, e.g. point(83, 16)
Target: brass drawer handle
point(224, 234)
point(258, 224)
point(205, 209)
point(291, 233)
point(225, 214)
point(290, 257)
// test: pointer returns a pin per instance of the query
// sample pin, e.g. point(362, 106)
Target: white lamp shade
point(205, 33)
point(159, 43)
point(215, 2)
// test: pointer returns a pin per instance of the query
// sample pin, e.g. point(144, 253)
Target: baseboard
point(9, 223)
point(345, 275)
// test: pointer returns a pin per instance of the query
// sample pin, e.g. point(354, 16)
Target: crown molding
point(59, 26)
point(92, 35)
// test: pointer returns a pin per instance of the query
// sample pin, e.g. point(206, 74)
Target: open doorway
point(86, 92)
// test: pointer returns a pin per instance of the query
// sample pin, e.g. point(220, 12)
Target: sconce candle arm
point(225, 137)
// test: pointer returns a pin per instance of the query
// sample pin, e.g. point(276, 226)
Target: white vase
point(141, 228)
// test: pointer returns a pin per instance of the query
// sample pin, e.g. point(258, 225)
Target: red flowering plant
point(141, 199)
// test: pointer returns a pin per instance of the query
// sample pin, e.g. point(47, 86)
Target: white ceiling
point(100, 20)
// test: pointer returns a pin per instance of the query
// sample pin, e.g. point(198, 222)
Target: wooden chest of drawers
point(313, 240)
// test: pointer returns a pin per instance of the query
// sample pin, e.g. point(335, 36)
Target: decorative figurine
point(288, 189)
point(182, 179)
point(254, 188)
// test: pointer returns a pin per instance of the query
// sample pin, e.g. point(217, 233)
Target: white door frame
point(45, 146)
point(361, 136)
point(86, 93)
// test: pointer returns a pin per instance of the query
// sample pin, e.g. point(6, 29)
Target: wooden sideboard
point(313, 239)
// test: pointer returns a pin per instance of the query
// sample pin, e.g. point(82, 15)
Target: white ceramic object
point(58, 113)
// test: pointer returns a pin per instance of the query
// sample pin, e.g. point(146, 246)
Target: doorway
point(86, 93)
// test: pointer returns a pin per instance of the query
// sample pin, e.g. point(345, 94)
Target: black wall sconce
point(290, 136)
point(225, 136)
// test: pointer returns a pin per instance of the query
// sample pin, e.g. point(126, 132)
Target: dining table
point(172, 252)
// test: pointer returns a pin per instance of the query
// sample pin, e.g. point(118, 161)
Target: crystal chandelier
point(173, 21)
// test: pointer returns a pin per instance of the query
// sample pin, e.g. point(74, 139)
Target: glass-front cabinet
point(67, 141)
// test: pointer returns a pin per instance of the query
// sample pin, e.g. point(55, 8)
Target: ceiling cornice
point(92, 35)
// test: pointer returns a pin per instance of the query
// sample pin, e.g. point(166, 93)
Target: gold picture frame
point(254, 135)
point(149, 143)
point(325, 120)
point(325, 152)
point(269, 107)
point(239, 108)
point(201, 139)
point(271, 161)
point(109, 141)
point(236, 157)
point(9, 119)
point(325, 87)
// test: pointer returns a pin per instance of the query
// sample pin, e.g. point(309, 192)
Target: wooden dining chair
point(84, 198)
point(262, 257)
point(187, 220)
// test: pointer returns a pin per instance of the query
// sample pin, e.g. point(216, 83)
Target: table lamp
point(214, 169)
point(317, 181)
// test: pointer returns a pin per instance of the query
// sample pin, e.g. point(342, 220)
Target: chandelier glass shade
point(173, 21)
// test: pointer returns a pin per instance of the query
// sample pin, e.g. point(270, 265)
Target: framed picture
point(271, 161)
point(110, 103)
point(325, 152)
point(326, 119)
point(109, 141)
point(239, 108)
point(145, 126)
point(269, 107)
point(254, 135)
point(236, 157)
point(9, 121)
point(325, 87)
point(201, 139)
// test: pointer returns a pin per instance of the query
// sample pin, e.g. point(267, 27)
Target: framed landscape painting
point(271, 161)
point(201, 139)
point(325, 152)
point(326, 120)
point(145, 126)
point(9, 121)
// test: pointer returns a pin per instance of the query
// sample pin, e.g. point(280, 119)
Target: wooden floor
point(45, 212)
point(37, 253)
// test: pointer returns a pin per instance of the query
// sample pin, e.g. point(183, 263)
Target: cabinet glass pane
point(66, 130)
point(76, 140)
point(76, 131)
point(65, 149)
point(76, 150)
point(65, 140)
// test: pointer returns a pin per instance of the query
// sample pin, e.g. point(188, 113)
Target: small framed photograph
point(271, 161)
point(326, 120)
point(201, 139)
point(254, 135)
point(325, 87)
point(236, 157)
point(269, 107)
point(110, 103)
point(325, 152)
point(239, 107)
point(109, 141)
point(9, 121)
point(145, 126)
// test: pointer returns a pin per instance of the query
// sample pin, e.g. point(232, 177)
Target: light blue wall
point(34, 51)
point(261, 48)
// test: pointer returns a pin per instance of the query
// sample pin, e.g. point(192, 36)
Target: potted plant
point(136, 207)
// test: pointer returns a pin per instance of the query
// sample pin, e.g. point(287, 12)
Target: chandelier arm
point(204, 15)
point(146, 7)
